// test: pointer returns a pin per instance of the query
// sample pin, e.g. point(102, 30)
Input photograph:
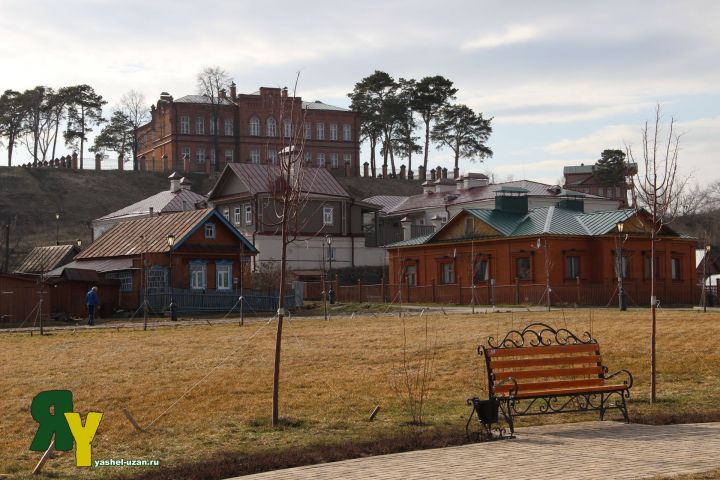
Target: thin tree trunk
point(281, 305)
point(373, 145)
point(392, 162)
point(653, 303)
point(82, 134)
point(57, 129)
point(427, 142)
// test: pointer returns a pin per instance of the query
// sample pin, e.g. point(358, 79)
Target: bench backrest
point(541, 358)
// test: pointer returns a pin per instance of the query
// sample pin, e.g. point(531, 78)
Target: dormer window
point(209, 231)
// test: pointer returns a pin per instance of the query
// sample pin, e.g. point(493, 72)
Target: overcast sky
point(563, 80)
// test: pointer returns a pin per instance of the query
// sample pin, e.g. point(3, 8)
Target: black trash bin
point(331, 296)
point(173, 311)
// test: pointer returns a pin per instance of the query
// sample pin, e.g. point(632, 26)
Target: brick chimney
point(406, 228)
point(233, 91)
point(402, 172)
point(185, 184)
point(433, 175)
point(74, 161)
point(222, 94)
point(284, 92)
point(174, 182)
point(438, 172)
point(421, 173)
point(444, 173)
point(366, 169)
point(121, 162)
point(98, 160)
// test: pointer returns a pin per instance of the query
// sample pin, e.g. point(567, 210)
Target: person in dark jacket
point(93, 303)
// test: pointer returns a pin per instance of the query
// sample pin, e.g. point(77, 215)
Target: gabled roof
point(43, 259)
point(424, 201)
point(149, 235)
point(162, 202)
point(202, 99)
point(260, 179)
point(101, 265)
point(385, 201)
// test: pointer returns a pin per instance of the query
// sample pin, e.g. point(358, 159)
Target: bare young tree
point(211, 81)
point(134, 106)
point(657, 191)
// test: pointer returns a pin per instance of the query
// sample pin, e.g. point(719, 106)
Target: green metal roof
point(413, 241)
point(506, 189)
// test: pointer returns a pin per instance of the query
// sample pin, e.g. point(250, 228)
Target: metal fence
point(636, 294)
point(217, 301)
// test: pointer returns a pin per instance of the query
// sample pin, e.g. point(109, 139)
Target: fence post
point(517, 291)
point(433, 290)
point(382, 289)
point(408, 291)
point(577, 283)
point(360, 298)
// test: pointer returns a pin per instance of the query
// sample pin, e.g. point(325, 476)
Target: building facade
point(505, 255)
point(584, 178)
point(244, 196)
point(248, 128)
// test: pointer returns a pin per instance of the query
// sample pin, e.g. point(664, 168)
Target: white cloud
point(511, 35)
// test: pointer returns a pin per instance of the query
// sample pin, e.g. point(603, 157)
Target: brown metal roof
point(149, 235)
point(43, 259)
point(387, 202)
point(261, 178)
point(99, 265)
point(164, 202)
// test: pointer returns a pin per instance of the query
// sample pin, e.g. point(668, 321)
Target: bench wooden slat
point(568, 391)
point(539, 362)
point(549, 373)
point(534, 351)
point(550, 385)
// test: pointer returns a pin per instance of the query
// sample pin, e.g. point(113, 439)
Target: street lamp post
point(323, 285)
point(704, 279)
point(331, 291)
point(621, 273)
point(57, 228)
point(173, 307)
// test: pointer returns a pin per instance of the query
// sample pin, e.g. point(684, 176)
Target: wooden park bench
point(539, 370)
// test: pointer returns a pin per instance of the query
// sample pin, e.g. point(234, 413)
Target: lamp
point(171, 240)
point(704, 280)
point(57, 228)
point(621, 274)
point(173, 309)
point(331, 292)
point(620, 226)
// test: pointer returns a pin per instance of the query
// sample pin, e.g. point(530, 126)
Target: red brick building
point(511, 255)
point(250, 128)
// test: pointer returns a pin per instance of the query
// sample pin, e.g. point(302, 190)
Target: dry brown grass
point(333, 375)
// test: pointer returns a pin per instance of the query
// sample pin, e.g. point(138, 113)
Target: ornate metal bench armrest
point(513, 391)
point(628, 381)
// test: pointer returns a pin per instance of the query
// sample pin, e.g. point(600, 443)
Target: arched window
point(254, 126)
point(271, 127)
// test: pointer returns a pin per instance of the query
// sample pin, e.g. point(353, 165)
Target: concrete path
point(589, 450)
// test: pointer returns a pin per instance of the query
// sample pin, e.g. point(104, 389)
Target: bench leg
point(623, 408)
point(507, 415)
point(602, 407)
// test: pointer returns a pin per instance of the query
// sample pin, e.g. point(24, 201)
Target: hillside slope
point(29, 199)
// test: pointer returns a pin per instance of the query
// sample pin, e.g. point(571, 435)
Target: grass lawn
point(333, 375)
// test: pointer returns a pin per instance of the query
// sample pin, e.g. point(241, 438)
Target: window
point(223, 274)
point(209, 231)
point(328, 215)
point(333, 160)
point(213, 124)
point(198, 275)
point(248, 215)
point(254, 127)
point(447, 273)
point(229, 155)
point(320, 131)
point(157, 278)
point(333, 131)
point(411, 275)
point(228, 127)
point(254, 156)
point(185, 153)
point(618, 192)
point(347, 132)
point(287, 129)
point(125, 277)
point(522, 268)
point(347, 157)
point(200, 155)
point(226, 214)
point(238, 216)
point(272, 156)
point(185, 124)
point(646, 267)
point(321, 160)
point(271, 127)
point(482, 272)
point(307, 158)
point(213, 158)
point(675, 268)
point(601, 191)
point(199, 125)
point(572, 267)
point(308, 131)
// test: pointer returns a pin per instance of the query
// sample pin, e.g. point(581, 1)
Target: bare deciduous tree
point(657, 190)
point(134, 106)
point(210, 82)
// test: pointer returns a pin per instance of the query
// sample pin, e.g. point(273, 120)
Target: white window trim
point(238, 216)
point(223, 269)
point(248, 214)
point(210, 231)
point(328, 216)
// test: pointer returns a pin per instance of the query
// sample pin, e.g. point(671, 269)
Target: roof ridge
point(548, 219)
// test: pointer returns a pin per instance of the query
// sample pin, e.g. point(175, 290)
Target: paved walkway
point(590, 450)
